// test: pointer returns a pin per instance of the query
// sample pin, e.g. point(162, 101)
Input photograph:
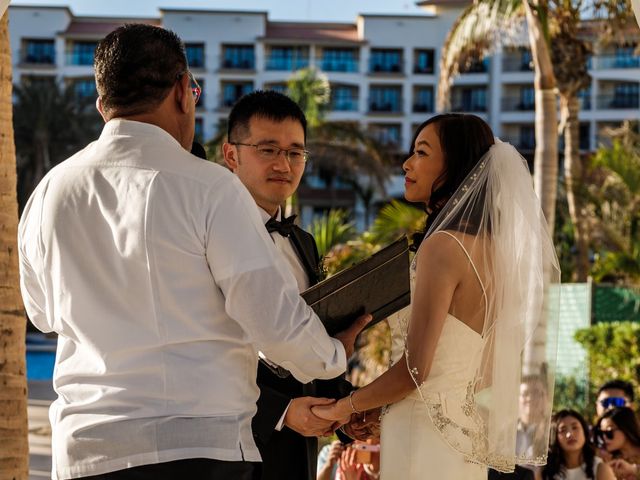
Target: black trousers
point(188, 469)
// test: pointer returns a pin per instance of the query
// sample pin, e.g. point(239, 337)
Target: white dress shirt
point(156, 271)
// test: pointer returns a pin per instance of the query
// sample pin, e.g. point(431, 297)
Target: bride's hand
point(339, 412)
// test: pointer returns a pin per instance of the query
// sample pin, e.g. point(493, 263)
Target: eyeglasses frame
point(279, 150)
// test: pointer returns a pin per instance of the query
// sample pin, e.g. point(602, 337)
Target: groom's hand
point(348, 336)
point(299, 417)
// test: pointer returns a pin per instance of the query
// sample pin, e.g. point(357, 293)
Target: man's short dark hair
point(136, 65)
point(264, 104)
point(626, 387)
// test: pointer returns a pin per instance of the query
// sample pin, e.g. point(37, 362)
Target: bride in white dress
point(482, 291)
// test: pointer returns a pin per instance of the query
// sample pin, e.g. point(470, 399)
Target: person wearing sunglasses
point(614, 393)
point(617, 431)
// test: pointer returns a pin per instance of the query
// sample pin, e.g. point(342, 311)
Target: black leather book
point(378, 285)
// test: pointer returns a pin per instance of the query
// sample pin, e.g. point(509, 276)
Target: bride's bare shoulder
point(442, 250)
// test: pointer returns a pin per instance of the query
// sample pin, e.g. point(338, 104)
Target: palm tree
point(14, 450)
point(487, 25)
point(50, 124)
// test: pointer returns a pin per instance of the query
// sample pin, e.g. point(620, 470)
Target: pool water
point(40, 364)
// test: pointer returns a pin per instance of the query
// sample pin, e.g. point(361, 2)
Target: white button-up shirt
point(156, 271)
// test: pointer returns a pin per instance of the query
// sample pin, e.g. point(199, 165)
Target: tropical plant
point(311, 90)
point(331, 229)
point(50, 123)
point(614, 206)
point(614, 352)
point(14, 448)
point(396, 219)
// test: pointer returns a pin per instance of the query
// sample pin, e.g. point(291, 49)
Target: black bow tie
point(284, 227)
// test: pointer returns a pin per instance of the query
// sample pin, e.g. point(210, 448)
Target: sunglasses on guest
point(613, 402)
point(608, 434)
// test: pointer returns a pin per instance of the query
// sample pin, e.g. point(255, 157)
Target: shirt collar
point(265, 215)
point(131, 128)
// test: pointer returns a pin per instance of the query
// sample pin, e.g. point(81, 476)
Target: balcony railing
point(79, 58)
point(386, 107)
point(376, 66)
point(465, 106)
point(238, 64)
point(516, 64)
point(41, 58)
point(513, 104)
point(338, 65)
point(629, 101)
point(345, 104)
point(279, 62)
point(602, 62)
point(421, 107)
point(521, 142)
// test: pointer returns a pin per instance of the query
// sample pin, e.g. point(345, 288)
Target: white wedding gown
point(411, 445)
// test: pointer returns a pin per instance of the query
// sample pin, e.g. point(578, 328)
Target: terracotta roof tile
point(313, 31)
point(103, 27)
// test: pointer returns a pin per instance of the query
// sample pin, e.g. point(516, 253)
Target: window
point(526, 60)
point(195, 54)
point(232, 91)
point(626, 95)
point(240, 57)
point(39, 51)
point(85, 88)
point(82, 53)
point(527, 140)
point(423, 61)
point(201, 100)
point(387, 134)
point(476, 66)
point(385, 99)
point(344, 98)
point(527, 98)
point(199, 131)
point(386, 60)
point(585, 136)
point(625, 57)
point(585, 98)
point(469, 99)
point(423, 99)
point(339, 60)
point(287, 58)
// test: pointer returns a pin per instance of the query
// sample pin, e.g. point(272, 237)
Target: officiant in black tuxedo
point(266, 150)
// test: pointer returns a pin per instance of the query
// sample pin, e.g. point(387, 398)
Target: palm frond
point(396, 219)
point(483, 26)
point(331, 229)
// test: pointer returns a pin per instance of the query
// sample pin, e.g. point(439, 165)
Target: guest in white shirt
point(266, 150)
point(156, 271)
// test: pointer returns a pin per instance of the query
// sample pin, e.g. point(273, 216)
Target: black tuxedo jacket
point(287, 455)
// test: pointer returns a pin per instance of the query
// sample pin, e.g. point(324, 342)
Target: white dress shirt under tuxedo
point(156, 270)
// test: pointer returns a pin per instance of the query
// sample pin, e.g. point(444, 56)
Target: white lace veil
point(497, 215)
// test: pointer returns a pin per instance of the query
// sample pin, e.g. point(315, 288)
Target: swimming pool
point(41, 356)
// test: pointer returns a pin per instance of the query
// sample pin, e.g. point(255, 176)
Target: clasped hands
point(317, 417)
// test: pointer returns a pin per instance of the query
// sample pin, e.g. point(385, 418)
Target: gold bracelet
point(351, 403)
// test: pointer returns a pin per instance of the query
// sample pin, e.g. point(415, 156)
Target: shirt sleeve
point(261, 294)
point(29, 258)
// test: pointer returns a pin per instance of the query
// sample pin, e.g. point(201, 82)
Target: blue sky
point(298, 10)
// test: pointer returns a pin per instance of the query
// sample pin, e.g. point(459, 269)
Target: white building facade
point(383, 71)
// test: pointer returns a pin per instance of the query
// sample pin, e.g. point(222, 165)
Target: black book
point(378, 285)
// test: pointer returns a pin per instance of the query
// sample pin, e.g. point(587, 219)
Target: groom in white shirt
point(155, 269)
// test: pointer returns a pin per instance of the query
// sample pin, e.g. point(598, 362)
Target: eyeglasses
point(196, 90)
point(268, 152)
point(611, 402)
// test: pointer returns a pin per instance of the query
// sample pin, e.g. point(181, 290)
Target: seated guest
point(618, 431)
point(571, 456)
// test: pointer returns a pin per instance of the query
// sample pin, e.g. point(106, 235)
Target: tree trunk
point(14, 447)
point(546, 119)
point(573, 173)
point(545, 165)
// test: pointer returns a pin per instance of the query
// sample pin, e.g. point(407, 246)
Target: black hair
point(625, 419)
point(626, 387)
point(267, 104)
point(464, 140)
point(135, 66)
point(556, 461)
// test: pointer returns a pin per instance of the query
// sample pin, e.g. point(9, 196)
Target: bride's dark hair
point(464, 139)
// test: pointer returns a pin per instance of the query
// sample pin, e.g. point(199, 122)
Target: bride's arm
point(438, 273)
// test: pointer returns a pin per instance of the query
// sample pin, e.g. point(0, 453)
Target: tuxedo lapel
point(305, 248)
